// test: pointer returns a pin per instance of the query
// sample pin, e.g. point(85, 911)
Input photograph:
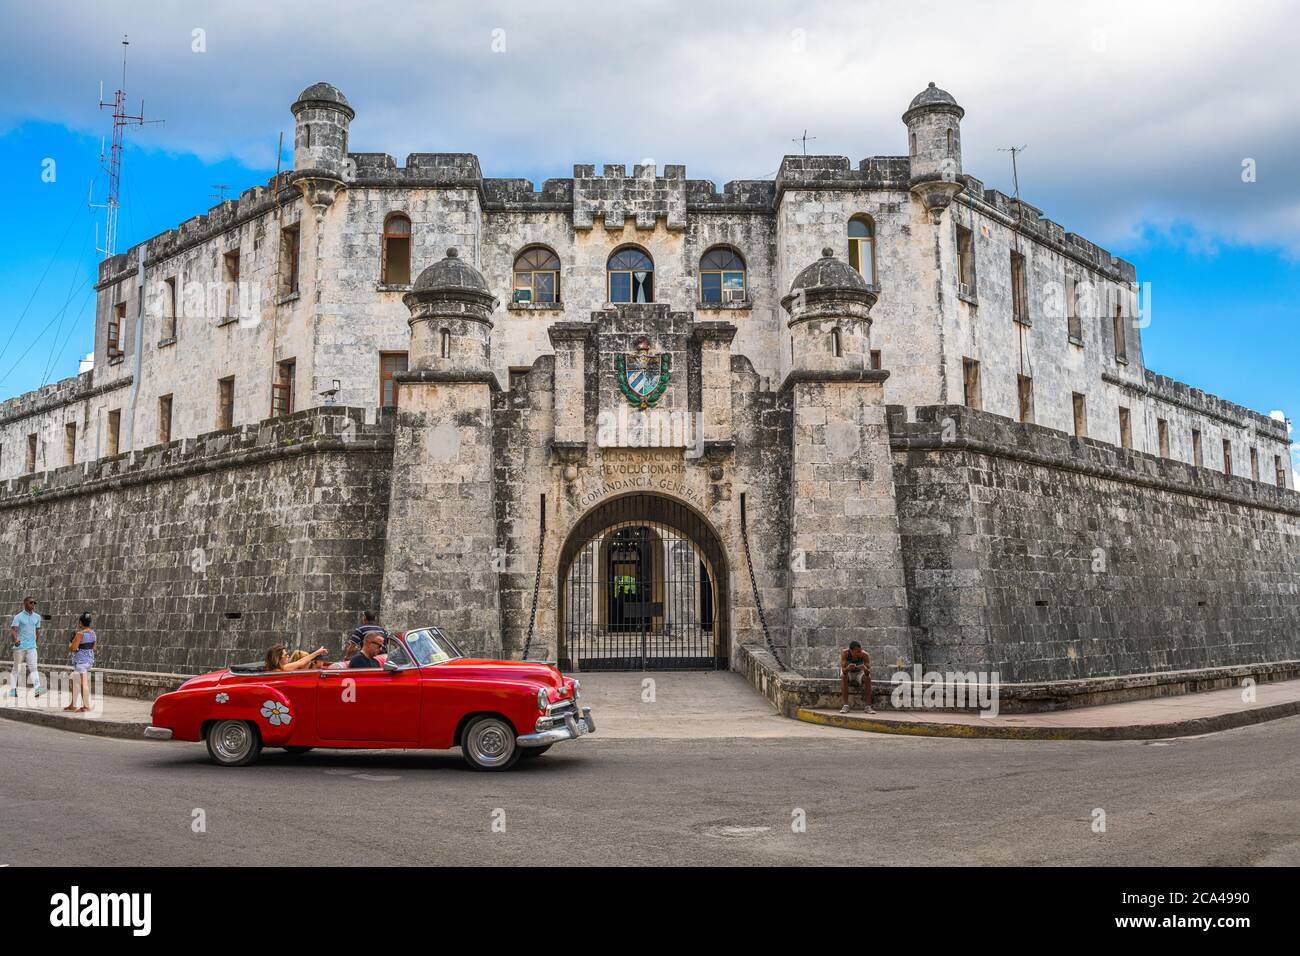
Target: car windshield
point(431, 646)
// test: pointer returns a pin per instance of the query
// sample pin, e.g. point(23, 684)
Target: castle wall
point(1045, 557)
point(202, 553)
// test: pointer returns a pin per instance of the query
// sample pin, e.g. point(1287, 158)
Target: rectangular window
point(1125, 428)
point(31, 454)
point(970, 382)
point(282, 389)
point(1196, 448)
point(70, 443)
point(169, 315)
point(1278, 473)
point(1227, 457)
point(1025, 389)
point(1162, 435)
point(1121, 345)
point(390, 363)
point(289, 249)
point(1254, 465)
point(114, 431)
point(226, 402)
point(875, 359)
point(230, 275)
point(164, 419)
point(1074, 320)
point(1019, 289)
point(965, 261)
point(115, 323)
point(1080, 415)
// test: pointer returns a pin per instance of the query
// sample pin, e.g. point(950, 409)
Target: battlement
point(1031, 221)
point(1212, 406)
point(312, 429)
point(645, 196)
point(224, 216)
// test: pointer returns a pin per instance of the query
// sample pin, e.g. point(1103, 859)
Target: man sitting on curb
point(855, 670)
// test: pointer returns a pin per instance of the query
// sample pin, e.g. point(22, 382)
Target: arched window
point(722, 276)
point(537, 276)
point(395, 269)
point(837, 348)
point(631, 276)
point(862, 247)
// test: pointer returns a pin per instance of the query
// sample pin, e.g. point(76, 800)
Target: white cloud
point(1136, 114)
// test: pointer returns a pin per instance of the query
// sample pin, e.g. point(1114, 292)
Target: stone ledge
point(789, 692)
point(984, 433)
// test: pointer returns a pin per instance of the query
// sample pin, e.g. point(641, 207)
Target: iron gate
point(640, 589)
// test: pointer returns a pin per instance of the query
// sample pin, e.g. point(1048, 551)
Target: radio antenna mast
point(112, 160)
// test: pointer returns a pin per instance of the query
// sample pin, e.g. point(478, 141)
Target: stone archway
point(643, 584)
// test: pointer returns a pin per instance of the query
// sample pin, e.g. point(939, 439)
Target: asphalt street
point(862, 799)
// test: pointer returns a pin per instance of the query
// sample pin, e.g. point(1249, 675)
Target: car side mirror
point(391, 667)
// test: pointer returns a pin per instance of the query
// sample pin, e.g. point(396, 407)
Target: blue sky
point(1138, 118)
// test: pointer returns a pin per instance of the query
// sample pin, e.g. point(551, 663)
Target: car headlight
point(542, 699)
point(577, 689)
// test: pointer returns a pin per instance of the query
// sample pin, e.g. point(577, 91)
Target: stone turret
point(441, 552)
point(451, 319)
point(934, 147)
point(830, 320)
point(321, 166)
point(846, 575)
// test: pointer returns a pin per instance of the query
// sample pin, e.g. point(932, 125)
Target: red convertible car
point(425, 695)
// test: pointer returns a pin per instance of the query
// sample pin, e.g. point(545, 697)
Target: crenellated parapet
point(644, 197)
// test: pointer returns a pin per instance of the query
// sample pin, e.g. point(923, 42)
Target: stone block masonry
point(204, 552)
point(1048, 557)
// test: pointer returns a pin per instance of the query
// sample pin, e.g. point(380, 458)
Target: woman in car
point(277, 659)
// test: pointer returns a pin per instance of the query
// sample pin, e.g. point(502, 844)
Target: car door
point(371, 703)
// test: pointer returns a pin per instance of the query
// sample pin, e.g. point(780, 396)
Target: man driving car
point(372, 645)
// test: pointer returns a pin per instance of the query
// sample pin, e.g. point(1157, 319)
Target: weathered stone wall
point(1044, 557)
point(204, 552)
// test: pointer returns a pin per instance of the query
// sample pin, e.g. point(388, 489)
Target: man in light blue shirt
point(25, 631)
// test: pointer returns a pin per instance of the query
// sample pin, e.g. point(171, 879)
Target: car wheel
point(233, 743)
point(534, 751)
point(297, 750)
point(488, 743)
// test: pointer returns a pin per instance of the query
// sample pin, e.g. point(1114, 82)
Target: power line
point(39, 283)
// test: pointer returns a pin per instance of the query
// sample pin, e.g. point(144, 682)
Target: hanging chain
point(758, 601)
point(537, 581)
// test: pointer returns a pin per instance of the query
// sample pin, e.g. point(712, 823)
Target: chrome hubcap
point(491, 743)
point(232, 740)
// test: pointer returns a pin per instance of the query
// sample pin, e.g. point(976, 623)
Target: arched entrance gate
point(643, 585)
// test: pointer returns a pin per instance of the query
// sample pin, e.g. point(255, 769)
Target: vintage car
point(425, 695)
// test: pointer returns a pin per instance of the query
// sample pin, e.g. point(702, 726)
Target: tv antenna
point(112, 159)
point(803, 141)
point(220, 194)
point(1015, 173)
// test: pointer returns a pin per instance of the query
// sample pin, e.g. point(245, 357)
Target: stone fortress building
point(634, 421)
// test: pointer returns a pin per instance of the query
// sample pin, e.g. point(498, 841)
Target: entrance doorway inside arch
point(643, 586)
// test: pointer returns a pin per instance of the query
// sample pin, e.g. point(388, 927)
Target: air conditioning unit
point(733, 295)
point(964, 289)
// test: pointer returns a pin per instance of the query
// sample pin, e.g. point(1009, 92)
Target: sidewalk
point(111, 716)
point(1179, 716)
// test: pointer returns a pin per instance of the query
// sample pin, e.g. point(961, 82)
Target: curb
point(122, 729)
point(1180, 728)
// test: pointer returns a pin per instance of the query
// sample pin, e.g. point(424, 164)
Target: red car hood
point(478, 667)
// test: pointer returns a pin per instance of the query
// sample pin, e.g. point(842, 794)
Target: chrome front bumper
point(157, 733)
point(569, 726)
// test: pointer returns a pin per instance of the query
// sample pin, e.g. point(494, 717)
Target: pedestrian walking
point(25, 631)
point(84, 644)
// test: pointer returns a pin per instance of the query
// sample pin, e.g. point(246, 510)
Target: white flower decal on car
point(222, 698)
point(276, 713)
